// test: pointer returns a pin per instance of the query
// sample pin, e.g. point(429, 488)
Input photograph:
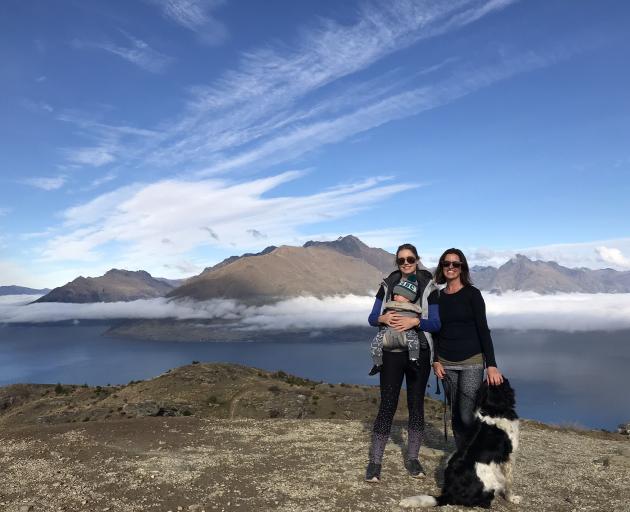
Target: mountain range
point(21, 290)
point(340, 267)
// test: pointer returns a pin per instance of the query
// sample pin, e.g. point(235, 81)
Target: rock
point(26, 508)
point(145, 408)
point(195, 508)
point(624, 428)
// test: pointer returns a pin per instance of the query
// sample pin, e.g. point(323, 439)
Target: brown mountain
point(284, 272)
point(116, 285)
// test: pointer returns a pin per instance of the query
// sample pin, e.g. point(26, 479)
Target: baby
point(404, 293)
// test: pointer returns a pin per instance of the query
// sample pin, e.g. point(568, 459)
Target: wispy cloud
point(137, 52)
point(36, 106)
point(93, 156)
point(280, 102)
point(515, 310)
point(195, 15)
point(137, 218)
point(4, 211)
point(44, 183)
point(107, 140)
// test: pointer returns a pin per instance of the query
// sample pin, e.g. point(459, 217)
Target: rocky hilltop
point(351, 246)
point(116, 285)
point(225, 437)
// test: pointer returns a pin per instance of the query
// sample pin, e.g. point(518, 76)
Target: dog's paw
point(418, 501)
point(513, 498)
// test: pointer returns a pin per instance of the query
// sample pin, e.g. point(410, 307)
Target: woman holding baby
point(399, 323)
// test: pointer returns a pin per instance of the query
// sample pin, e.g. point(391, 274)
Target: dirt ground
point(222, 464)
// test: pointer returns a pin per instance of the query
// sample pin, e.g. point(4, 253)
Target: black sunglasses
point(454, 264)
point(408, 259)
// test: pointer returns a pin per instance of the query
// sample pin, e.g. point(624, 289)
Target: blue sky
point(168, 135)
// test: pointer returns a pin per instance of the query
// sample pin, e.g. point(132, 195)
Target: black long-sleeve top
point(464, 328)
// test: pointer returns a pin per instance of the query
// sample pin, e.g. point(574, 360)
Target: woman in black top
point(464, 345)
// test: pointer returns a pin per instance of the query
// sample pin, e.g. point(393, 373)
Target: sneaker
point(375, 369)
point(373, 472)
point(414, 468)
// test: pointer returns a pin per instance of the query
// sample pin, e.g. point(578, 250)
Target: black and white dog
point(483, 468)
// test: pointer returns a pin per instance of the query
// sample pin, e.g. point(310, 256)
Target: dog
point(481, 469)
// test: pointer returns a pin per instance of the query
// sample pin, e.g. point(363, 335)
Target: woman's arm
point(483, 331)
point(432, 321)
point(376, 308)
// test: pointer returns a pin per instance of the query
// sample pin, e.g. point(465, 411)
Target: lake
point(562, 378)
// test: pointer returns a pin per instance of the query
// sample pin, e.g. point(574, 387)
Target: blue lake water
point(563, 378)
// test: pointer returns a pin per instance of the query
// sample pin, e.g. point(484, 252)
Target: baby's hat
point(407, 288)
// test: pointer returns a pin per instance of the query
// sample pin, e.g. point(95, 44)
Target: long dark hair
point(465, 273)
point(409, 247)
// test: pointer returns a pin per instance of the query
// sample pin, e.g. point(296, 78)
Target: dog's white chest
point(491, 476)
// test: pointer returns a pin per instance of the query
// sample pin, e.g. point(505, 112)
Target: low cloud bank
point(514, 310)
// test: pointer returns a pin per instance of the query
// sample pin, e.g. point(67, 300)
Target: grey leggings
point(461, 386)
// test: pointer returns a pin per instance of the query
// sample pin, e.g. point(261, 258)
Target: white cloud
point(139, 52)
point(559, 312)
point(594, 255)
point(613, 256)
point(196, 15)
point(134, 220)
point(46, 183)
point(516, 310)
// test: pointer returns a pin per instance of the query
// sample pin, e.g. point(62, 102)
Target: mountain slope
point(284, 272)
point(116, 285)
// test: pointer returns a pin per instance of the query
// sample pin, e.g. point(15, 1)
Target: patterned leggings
point(461, 386)
point(396, 367)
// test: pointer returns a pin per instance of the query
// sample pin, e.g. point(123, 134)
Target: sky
point(167, 135)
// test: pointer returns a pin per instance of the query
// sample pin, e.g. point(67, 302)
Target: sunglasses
point(409, 259)
point(454, 264)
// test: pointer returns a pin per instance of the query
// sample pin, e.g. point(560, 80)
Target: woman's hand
point(387, 318)
point(403, 323)
point(438, 369)
point(494, 376)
